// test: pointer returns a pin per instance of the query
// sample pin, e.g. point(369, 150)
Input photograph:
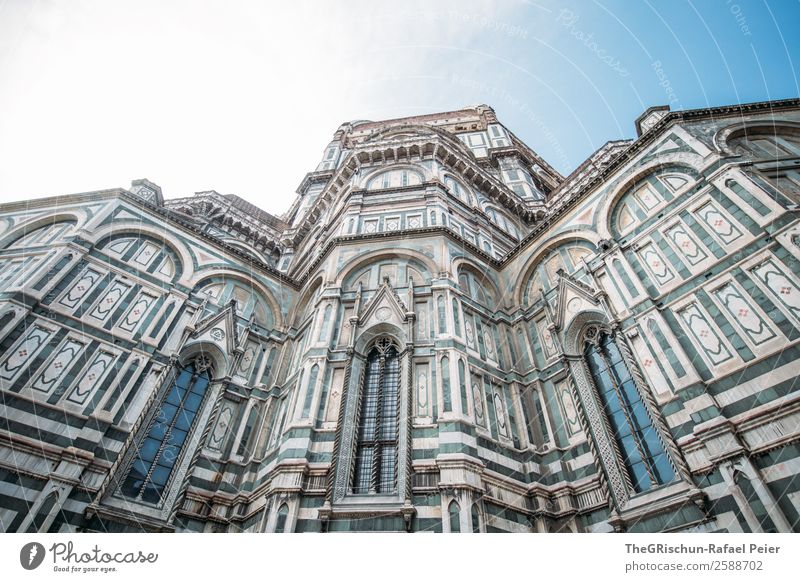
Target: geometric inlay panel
point(705, 334)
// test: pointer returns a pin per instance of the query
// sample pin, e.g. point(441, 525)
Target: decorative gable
point(385, 306)
point(219, 329)
point(572, 297)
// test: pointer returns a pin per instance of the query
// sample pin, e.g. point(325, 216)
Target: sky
point(242, 97)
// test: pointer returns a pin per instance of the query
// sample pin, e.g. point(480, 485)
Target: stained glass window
point(638, 441)
point(159, 450)
point(376, 453)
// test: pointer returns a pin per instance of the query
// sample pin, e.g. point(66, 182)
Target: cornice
point(429, 146)
point(634, 149)
point(171, 217)
point(398, 234)
point(434, 146)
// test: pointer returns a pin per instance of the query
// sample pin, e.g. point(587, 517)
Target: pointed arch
point(391, 176)
point(476, 282)
point(17, 233)
point(683, 162)
point(263, 293)
point(579, 237)
point(421, 262)
point(375, 464)
point(724, 137)
point(306, 299)
point(283, 515)
point(161, 446)
point(162, 235)
point(454, 514)
point(143, 252)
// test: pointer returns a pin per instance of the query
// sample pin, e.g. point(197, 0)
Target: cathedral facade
point(441, 334)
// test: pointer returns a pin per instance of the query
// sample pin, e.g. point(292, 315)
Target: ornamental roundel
point(217, 334)
point(574, 305)
point(202, 363)
point(383, 313)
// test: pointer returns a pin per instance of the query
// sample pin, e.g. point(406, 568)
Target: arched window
point(568, 257)
point(775, 151)
point(446, 396)
point(502, 221)
point(45, 235)
point(43, 514)
point(395, 179)
point(283, 514)
point(638, 441)
point(766, 143)
point(476, 519)
point(455, 518)
point(456, 318)
point(442, 315)
point(159, 450)
point(647, 196)
point(457, 189)
point(534, 413)
point(376, 451)
point(244, 443)
point(249, 300)
point(268, 366)
point(401, 273)
point(53, 271)
point(143, 253)
point(476, 286)
point(462, 384)
point(312, 384)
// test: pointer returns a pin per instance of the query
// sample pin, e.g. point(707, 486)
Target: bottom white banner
point(355, 557)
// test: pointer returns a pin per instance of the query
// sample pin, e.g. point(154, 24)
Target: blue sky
point(242, 97)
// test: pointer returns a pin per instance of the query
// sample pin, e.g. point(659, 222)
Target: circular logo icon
point(31, 555)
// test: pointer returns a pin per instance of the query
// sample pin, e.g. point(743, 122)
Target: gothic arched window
point(775, 151)
point(283, 514)
point(143, 253)
point(455, 519)
point(476, 519)
point(376, 449)
point(159, 450)
point(45, 235)
point(637, 439)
